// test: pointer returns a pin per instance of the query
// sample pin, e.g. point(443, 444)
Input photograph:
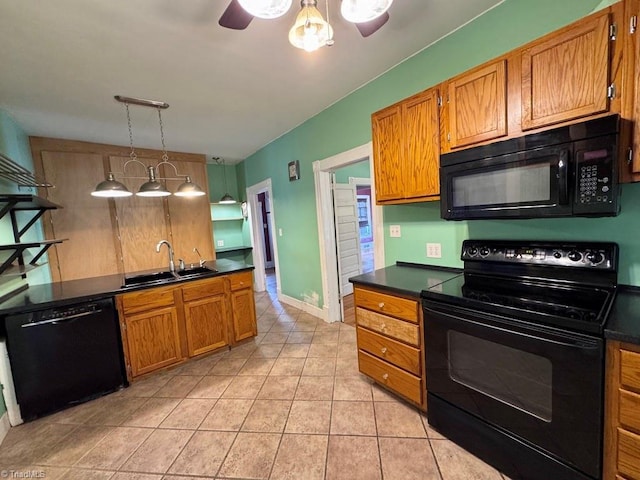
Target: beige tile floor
point(288, 405)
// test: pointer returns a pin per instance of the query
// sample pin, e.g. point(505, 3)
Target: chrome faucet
point(202, 262)
point(172, 266)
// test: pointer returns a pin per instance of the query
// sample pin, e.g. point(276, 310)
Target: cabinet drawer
point(203, 288)
point(388, 304)
point(407, 385)
point(392, 327)
point(241, 280)
point(630, 369)
point(628, 454)
point(147, 299)
point(399, 354)
point(630, 410)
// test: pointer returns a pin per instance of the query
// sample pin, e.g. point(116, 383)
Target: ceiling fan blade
point(371, 27)
point(235, 17)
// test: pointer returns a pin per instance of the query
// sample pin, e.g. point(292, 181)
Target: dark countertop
point(59, 294)
point(406, 278)
point(624, 319)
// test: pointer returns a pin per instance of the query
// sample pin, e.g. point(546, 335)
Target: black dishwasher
point(65, 355)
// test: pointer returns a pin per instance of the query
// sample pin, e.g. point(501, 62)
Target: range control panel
point(602, 256)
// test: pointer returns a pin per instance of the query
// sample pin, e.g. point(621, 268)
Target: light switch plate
point(434, 250)
point(394, 231)
point(220, 243)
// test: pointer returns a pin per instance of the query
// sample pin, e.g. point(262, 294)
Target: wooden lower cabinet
point(622, 412)
point(153, 340)
point(390, 344)
point(165, 326)
point(205, 315)
point(243, 306)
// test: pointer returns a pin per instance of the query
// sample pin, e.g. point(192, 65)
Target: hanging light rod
point(141, 101)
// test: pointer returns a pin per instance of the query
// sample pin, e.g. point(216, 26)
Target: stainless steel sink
point(195, 271)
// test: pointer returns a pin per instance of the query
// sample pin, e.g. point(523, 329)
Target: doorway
point(324, 173)
point(265, 248)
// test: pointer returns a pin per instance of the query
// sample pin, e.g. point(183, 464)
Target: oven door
point(517, 185)
point(538, 384)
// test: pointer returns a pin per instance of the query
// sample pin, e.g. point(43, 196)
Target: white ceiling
point(231, 92)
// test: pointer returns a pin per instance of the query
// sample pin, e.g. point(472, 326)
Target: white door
point(345, 207)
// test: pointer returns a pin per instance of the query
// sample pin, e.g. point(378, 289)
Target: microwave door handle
point(563, 178)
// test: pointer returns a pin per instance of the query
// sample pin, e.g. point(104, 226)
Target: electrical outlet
point(434, 250)
point(220, 243)
point(279, 232)
point(394, 231)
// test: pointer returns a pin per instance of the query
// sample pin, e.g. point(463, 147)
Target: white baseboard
point(305, 307)
point(4, 426)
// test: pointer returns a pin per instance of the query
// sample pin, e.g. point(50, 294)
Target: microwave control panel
point(595, 171)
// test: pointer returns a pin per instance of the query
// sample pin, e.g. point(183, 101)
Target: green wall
point(361, 169)
point(347, 124)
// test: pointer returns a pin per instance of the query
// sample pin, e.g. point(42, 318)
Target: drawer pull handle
point(381, 305)
point(385, 376)
point(383, 350)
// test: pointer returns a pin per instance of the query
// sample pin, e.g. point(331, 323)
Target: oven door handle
point(538, 332)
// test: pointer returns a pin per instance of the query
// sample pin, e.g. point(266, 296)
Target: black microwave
point(566, 171)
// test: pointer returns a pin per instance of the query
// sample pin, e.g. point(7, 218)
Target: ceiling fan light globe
point(310, 31)
point(266, 8)
point(361, 11)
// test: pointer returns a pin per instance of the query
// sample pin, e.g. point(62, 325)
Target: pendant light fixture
point(153, 187)
point(310, 31)
point(226, 198)
point(361, 11)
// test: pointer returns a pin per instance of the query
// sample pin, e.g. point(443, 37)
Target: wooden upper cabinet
point(478, 105)
point(566, 75)
point(387, 146)
point(422, 145)
point(406, 150)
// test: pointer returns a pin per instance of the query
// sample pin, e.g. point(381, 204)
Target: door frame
point(257, 240)
point(322, 173)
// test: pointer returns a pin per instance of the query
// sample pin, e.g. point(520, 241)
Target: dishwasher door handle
point(59, 319)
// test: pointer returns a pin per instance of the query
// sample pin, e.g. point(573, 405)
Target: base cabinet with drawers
point(167, 325)
point(622, 412)
point(390, 342)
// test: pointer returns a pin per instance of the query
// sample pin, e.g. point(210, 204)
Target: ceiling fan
point(367, 15)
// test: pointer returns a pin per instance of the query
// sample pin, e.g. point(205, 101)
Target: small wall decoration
point(294, 170)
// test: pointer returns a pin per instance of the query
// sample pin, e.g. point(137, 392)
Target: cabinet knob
point(383, 350)
point(382, 326)
point(381, 305)
point(241, 283)
point(385, 376)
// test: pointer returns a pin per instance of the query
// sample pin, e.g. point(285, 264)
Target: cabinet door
point(388, 156)
point(141, 221)
point(190, 218)
point(566, 75)
point(85, 221)
point(153, 340)
point(422, 146)
point(244, 314)
point(478, 105)
point(206, 321)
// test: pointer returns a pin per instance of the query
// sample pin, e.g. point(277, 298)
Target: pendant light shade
point(227, 199)
point(361, 11)
point(310, 31)
point(152, 188)
point(111, 188)
point(189, 189)
point(266, 8)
